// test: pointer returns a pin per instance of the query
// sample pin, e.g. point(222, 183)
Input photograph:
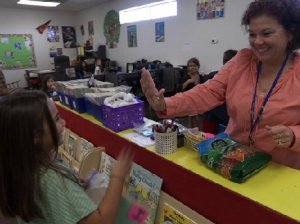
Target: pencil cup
point(165, 143)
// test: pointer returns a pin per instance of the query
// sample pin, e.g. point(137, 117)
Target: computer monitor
point(70, 72)
point(131, 79)
point(130, 67)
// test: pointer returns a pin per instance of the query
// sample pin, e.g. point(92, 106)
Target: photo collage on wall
point(68, 36)
point(210, 9)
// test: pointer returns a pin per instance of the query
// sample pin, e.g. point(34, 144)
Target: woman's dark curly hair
point(286, 12)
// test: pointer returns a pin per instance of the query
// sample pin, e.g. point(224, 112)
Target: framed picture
point(91, 28)
point(82, 29)
point(160, 32)
point(53, 34)
point(132, 36)
point(210, 9)
point(69, 36)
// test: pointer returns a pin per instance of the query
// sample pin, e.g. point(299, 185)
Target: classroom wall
point(185, 36)
point(23, 21)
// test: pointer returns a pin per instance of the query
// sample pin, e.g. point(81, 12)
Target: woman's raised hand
point(155, 98)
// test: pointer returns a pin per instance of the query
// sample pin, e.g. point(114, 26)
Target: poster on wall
point(132, 36)
point(53, 34)
point(69, 36)
point(52, 52)
point(82, 29)
point(210, 9)
point(16, 51)
point(55, 51)
point(91, 28)
point(160, 32)
point(111, 28)
point(59, 51)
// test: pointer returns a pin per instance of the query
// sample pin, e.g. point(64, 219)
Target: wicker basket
point(165, 143)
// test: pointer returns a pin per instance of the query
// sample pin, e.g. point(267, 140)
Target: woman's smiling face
point(268, 38)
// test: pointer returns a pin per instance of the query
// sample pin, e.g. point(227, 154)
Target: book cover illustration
point(170, 215)
point(84, 147)
point(141, 194)
point(140, 197)
point(72, 145)
point(106, 164)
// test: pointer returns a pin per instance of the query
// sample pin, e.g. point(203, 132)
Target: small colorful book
point(170, 215)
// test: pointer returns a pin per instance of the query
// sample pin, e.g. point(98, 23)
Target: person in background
point(219, 115)
point(260, 85)
point(228, 55)
point(193, 76)
point(84, 69)
point(98, 66)
point(81, 67)
point(77, 61)
point(192, 79)
point(38, 188)
point(49, 87)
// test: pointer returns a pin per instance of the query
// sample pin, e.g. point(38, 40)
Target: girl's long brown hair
point(22, 119)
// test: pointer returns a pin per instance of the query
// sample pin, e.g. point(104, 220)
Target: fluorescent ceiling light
point(38, 3)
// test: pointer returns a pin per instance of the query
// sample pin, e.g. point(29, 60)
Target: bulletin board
point(16, 51)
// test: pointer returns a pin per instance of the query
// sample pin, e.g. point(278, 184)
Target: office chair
point(61, 63)
point(7, 88)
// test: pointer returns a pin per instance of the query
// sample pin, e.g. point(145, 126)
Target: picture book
point(170, 215)
point(141, 194)
point(72, 145)
point(106, 164)
point(84, 147)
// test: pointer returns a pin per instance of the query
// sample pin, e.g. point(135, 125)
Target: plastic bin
point(122, 118)
point(93, 109)
point(67, 101)
point(78, 104)
point(61, 97)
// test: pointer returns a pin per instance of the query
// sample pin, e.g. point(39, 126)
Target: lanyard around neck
point(254, 122)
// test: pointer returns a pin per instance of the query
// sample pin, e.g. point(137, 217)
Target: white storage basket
point(165, 143)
